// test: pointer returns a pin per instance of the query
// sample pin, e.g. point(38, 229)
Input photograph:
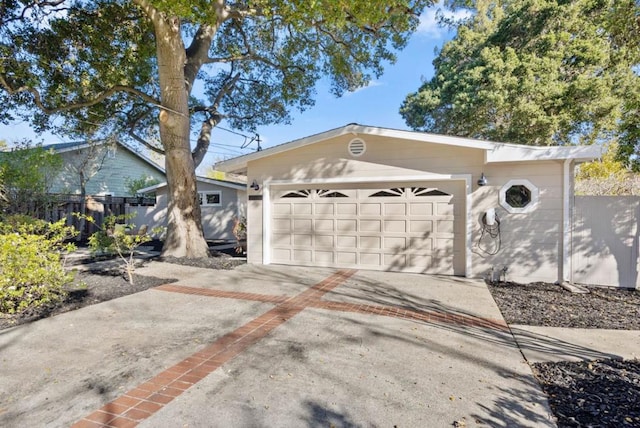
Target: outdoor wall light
point(255, 186)
point(482, 181)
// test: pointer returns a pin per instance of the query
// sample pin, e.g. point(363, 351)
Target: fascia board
point(516, 153)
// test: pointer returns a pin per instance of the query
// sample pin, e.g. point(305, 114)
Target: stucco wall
point(217, 221)
point(530, 242)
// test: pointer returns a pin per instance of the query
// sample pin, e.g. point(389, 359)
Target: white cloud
point(429, 26)
point(372, 84)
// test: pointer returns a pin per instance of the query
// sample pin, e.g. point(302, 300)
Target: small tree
point(135, 184)
point(606, 176)
point(28, 173)
point(116, 236)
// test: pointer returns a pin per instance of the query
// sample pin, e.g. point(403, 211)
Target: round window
point(519, 196)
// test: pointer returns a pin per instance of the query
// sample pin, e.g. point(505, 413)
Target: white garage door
point(409, 229)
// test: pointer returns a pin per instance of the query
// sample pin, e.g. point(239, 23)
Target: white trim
point(566, 269)
point(266, 204)
point(236, 186)
point(494, 151)
point(203, 194)
point(531, 206)
point(266, 223)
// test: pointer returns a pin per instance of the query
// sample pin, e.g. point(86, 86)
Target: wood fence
point(59, 207)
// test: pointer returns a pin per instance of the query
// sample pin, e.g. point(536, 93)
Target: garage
point(409, 227)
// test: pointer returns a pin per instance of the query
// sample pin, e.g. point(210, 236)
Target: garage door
point(409, 229)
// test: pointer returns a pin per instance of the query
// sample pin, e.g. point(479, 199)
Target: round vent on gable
point(357, 147)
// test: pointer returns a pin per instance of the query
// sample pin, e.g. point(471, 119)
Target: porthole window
point(519, 196)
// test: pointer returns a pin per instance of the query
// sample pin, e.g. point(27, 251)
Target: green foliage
point(32, 270)
point(240, 233)
point(536, 72)
point(117, 236)
point(133, 185)
point(28, 172)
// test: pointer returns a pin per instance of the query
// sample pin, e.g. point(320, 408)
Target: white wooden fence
point(605, 241)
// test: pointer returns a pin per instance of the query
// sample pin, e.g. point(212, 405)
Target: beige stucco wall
point(217, 221)
point(531, 242)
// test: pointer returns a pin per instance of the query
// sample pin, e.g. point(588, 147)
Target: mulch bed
point(603, 393)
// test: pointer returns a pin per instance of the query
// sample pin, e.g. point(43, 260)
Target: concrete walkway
point(264, 346)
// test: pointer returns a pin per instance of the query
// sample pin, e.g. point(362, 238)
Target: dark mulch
point(592, 394)
point(602, 393)
point(102, 284)
point(550, 305)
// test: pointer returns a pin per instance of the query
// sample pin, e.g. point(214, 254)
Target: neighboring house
point(104, 167)
point(383, 199)
point(221, 203)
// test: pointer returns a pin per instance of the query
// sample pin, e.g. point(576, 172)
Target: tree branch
point(98, 99)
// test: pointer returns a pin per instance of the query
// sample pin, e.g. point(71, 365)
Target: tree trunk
point(184, 234)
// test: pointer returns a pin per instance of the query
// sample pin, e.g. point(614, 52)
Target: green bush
point(32, 270)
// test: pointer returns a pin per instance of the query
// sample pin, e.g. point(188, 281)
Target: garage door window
point(519, 196)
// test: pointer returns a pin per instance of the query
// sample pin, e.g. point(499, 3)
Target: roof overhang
point(228, 184)
point(494, 152)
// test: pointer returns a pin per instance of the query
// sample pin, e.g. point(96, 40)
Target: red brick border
point(146, 399)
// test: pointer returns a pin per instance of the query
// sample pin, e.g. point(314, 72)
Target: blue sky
point(376, 105)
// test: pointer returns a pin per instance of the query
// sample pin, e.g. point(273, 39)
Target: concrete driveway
point(274, 346)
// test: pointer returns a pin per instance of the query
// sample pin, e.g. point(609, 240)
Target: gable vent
point(357, 147)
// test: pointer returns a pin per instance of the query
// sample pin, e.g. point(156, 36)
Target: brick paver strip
point(144, 400)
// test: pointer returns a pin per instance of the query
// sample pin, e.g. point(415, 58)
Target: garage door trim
point(269, 184)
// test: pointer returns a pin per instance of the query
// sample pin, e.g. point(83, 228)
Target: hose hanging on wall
point(490, 228)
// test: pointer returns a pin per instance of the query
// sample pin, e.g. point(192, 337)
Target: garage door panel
point(347, 209)
point(302, 225)
point(370, 209)
point(282, 209)
point(397, 243)
point(346, 241)
point(346, 258)
point(324, 209)
point(395, 209)
point(408, 229)
point(421, 226)
point(347, 225)
point(302, 209)
point(302, 240)
point(421, 208)
point(282, 225)
point(395, 226)
point(324, 225)
point(302, 256)
point(370, 242)
point(370, 226)
point(326, 241)
point(282, 239)
point(324, 258)
point(371, 259)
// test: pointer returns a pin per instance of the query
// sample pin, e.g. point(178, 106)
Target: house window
point(519, 196)
point(209, 199)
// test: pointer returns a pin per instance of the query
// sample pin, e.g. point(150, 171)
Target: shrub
point(32, 270)
point(117, 237)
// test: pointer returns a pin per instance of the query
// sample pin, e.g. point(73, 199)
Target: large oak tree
point(166, 70)
point(537, 72)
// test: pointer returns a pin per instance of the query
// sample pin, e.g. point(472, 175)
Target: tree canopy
point(537, 72)
point(169, 71)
